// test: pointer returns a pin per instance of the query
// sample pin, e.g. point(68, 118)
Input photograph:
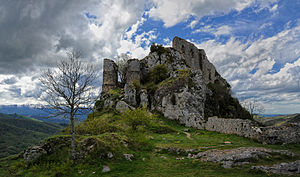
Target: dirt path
point(188, 135)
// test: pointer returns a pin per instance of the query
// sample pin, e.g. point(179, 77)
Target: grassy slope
point(19, 132)
point(153, 163)
point(279, 120)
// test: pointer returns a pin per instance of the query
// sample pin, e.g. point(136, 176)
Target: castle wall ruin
point(110, 75)
point(195, 58)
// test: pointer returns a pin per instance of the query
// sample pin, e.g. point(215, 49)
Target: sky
point(254, 44)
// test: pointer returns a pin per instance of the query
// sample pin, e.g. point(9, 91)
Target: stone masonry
point(110, 75)
point(133, 71)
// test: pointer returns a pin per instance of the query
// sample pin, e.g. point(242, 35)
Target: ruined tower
point(110, 75)
point(195, 58)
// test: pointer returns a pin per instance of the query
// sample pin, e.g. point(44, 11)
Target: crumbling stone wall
point(110, 75)
point(285, 134)
point(133, 71)
point(241, 127)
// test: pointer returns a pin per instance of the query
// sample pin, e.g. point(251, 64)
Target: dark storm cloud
point(15, 91)
point(33, 32)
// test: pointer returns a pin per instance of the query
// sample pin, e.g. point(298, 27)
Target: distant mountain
point(34, 111)
point(18, 132)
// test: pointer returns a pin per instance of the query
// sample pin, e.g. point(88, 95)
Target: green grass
point(145, 145)
point(19, 132)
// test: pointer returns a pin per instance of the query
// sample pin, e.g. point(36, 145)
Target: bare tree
point(69, 89)
point(253, 107)
point(121, 61)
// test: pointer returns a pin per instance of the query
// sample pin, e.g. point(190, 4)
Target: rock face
point(290, 168)
point(178, 95)
point(195, 58)
point(34, 153)
point(183, 85)
point(239, 156)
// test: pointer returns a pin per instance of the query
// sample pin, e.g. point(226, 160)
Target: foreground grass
point(148, 161)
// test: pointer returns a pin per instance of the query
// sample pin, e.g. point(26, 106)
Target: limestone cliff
point(178, 81)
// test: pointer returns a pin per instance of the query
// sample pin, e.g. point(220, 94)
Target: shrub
point(157, 48)
point(158, 73)
point(137, 117)
point(220, 103)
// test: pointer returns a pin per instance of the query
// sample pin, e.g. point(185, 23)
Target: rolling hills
point(19, 132)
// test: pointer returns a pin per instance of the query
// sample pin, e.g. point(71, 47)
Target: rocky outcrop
point(240, 156)
point(33, 154)
point(286, 168)
point(285, 134)
point(183, 85)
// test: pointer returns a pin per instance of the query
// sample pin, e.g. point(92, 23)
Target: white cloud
point(217, 31)
point(235, 60)
point(172, 12)
point(193, 24)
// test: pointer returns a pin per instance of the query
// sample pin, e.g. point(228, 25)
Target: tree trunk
point(73, 137)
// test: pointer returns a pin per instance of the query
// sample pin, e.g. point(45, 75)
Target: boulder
point(130, 95)
point(286, 168)
point(123, 106)
point(33, 154)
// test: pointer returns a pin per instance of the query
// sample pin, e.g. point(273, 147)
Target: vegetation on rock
point(220, 103)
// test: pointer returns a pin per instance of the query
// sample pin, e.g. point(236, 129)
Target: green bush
point(222, 104)
point(136, 118)
point(158, 73)
point(99, 125)
point(157, 48)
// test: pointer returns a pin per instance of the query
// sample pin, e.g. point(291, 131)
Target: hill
point(279, 120)
point(19, 132)
point(138, 143)
point(167, 118)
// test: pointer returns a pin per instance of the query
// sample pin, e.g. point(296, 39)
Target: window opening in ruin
point(182, 49)
point(192, 53)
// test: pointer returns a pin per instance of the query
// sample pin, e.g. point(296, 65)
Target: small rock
point(110, 155)
point(105, 169)
point(128, 156)
point(163, 157)
point(164, 139)
point(186, 130)
point(227, 142)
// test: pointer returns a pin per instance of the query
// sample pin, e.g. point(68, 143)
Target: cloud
point(267, 68)
point(172, 12)
point(37, 33)
point(216, 31)
point(9, 81)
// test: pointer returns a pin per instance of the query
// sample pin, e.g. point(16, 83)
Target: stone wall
point(241, 127)
point(285, 134)
point(110, 75)
point(133, 71)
